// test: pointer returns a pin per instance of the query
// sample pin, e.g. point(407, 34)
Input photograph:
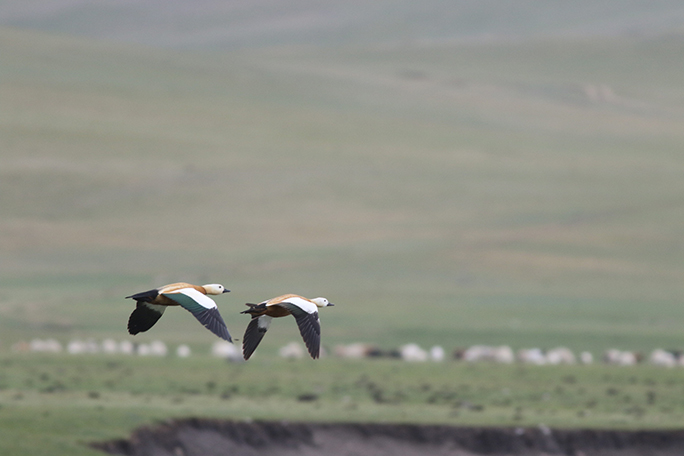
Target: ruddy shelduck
point(304, 310)
point(150, 306)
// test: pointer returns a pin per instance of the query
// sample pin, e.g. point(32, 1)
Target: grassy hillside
point(229, 25)
point(527, 194)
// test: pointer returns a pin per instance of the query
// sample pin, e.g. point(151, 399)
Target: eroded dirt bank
point(205, 437)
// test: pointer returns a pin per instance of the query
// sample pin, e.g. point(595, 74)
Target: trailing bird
point(304, 310)
point(150, 306)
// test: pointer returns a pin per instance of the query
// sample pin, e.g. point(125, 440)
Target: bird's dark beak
point(226, 291)
point(330, 304)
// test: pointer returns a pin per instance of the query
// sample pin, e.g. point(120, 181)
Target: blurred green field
point(449, 191)
point(57, 404)
point(527, 193)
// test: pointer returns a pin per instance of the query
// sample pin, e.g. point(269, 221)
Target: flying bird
point(304, 310)
point(150, 306)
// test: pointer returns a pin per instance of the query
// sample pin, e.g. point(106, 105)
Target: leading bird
point(150, 306)
point(304, 310)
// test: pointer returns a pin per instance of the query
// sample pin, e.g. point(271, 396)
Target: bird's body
point(151, 304)
point(304, 310)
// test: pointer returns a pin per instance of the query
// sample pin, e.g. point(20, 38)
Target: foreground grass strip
point(51, 405)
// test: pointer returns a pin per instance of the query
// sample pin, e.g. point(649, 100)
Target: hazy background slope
point(440, 181)
point(220, 24)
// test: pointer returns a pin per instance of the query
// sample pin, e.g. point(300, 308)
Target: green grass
point(62, 402)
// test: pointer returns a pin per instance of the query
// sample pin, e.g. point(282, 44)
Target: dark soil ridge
point(211, 437)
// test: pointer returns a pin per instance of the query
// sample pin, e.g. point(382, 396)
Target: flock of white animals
point(410, 352)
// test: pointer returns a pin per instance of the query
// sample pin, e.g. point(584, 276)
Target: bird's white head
point(322, 302)
point(214, 289)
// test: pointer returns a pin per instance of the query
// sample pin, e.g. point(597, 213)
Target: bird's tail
point(145, 296)
point(254, 310)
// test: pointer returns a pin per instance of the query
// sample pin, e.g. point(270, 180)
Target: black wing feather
point(212, 320)
point(252, 337)
point(142, 318)
point(309, 328)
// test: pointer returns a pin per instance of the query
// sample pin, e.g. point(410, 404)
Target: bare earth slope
point(218, 438)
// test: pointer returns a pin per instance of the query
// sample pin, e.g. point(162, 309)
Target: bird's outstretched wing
point(309, 325)
point(203, 308)
point(255, 331)
point(144, 317)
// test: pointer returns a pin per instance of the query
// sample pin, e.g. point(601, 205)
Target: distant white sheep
point(355, 350)
point(183, 351)
point(437, 354)
point(629, 358)
point(409, 352)
point(158, 348)
point(612, 356)
point(560, 355)
point(76, 347)
point(502, 354)
point(620, 357)
point(226, 350)
point(475, 353)
point(293, 350)
point(660, 357)
point(36, 345)
point(154, 348)
point(413, 353)
point(45, 346)
point(143, 350)
point(126, 347)
point(478, 353)
point(110, 347)
point(533, 356)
